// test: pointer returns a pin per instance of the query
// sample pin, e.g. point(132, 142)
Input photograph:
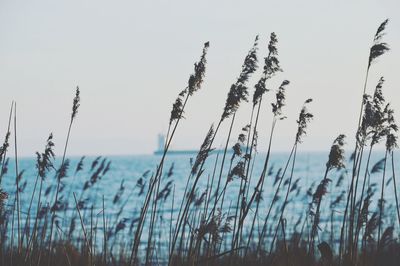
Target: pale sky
point(131, 59)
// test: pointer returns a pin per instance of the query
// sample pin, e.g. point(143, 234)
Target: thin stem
point(17, 179)
point(259, 190)
point(185, 210)
point(82, 224)
point(260, 182)
point(5, 140)
point(222, 164)
point(148, 198)
point(395, 188)
point(264, 229)
point(381, 203)
point(58, 189)
point(286, 197)
point(316, 219)
point(105, 235)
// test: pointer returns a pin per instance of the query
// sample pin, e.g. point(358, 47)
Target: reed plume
point(280, 99)
point(204, 151)
point(44, 161)
point(4, 147)
point(3, 197)
point(76, 103)
point(304, 118)
point(194, 84)
point(271, 67)
point(79, 166)
point(239, 91)
point(335, 161)
point(378, 48)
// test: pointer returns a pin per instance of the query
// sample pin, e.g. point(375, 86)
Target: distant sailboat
point(161, 146)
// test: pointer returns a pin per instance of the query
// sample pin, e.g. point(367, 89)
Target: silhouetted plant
point(335, 161)
point(238, 91)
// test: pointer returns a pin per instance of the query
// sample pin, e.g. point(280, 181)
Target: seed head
point(238, 91)
point(280, 99)
point(271, 66)
point(378, 48)
point(44, 161)
point(336, 155)
point(204, 150)
point(75, 104)
point(304, 118)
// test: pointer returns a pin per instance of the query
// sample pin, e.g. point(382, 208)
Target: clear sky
point(131, 59)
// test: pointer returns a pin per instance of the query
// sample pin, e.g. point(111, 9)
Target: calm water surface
point(128, 170)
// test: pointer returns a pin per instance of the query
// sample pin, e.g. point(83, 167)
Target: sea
point(123, 186)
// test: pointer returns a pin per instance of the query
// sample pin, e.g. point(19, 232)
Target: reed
point(335, 161)
point(194, 84)
point(377, 49)
point(304, 118)
point(277, 115)
point(4, 147)
point(75, 106)
point(237, 94)
point(17, 179)
point(271, 67)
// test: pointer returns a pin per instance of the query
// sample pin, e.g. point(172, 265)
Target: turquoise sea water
point(131, 171)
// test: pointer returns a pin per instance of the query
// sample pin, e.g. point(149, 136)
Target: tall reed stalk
point(44, 163)
point(237, 93)
point(373, 126)
point(304, 118)
point(257, 195)
point(389, 131)
point(377, 49)
point(17, 178)
point(395, 187)
point(335, 161)
point(75, 106)
point(178, 109)
point(271, 67)
point(273, 201)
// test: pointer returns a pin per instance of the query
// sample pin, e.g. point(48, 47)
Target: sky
point(132, 58)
